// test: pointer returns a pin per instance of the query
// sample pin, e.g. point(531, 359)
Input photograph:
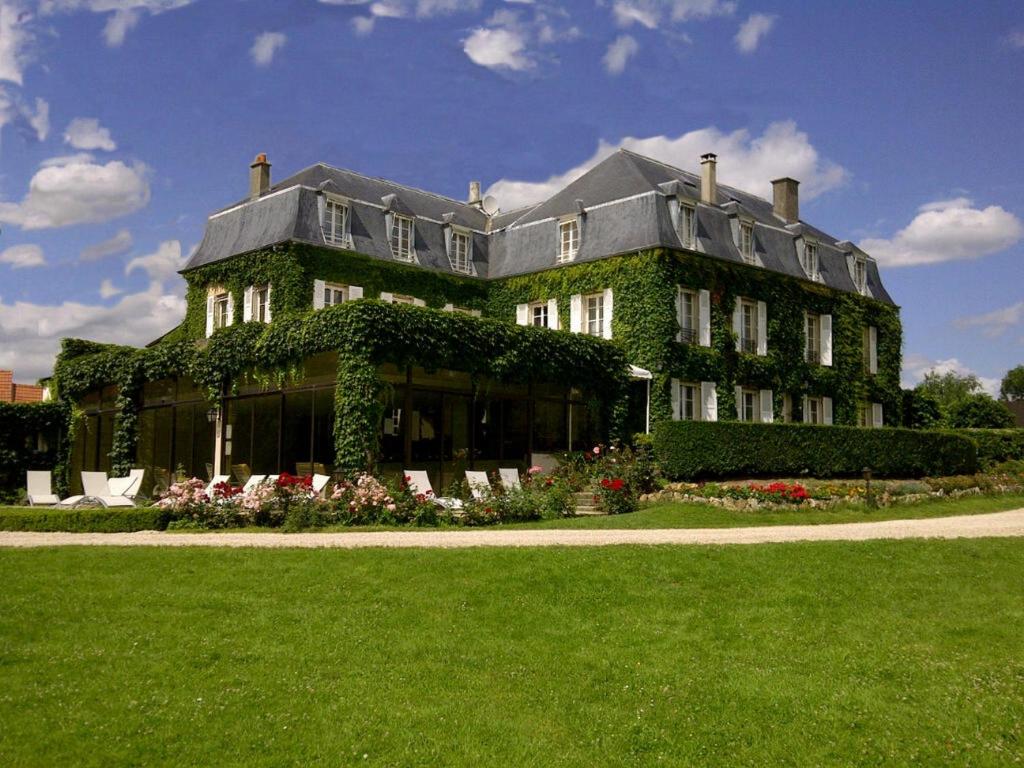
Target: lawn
point(878, 653)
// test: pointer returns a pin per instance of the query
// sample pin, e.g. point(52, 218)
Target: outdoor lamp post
point(867, 483)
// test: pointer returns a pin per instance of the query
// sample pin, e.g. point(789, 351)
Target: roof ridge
point(382, 180)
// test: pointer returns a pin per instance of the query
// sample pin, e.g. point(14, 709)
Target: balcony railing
point(749, 346)
point(688, 335)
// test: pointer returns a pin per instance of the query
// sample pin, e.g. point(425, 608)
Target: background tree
point(920, 410)
point(980, 411)
point(1012, 387)
point(950, 388)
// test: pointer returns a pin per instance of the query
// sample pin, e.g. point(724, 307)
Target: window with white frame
point(261, 303)
point(812, 338)
point(687, 225)
point(747, 408)
point(568, 240)
point(221, 310)
point(810, 263)
point(689, 401)
point(335, 293)
point(814, 411)
point(688, 316)
point(860, 274)
point(593, 314)
point(747, 241)
point(401, 237)
point(748, 326)
point(336, 222)
point(864, 414)
point(539, 314)
point(460, 251)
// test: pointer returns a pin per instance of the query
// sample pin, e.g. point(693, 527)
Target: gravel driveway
point(999, 524)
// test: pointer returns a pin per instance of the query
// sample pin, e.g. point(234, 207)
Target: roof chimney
point(474, 193)
point(259, 176)
point(708, 178)
point(786, 199)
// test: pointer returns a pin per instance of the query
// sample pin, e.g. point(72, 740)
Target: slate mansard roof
point(624, 199)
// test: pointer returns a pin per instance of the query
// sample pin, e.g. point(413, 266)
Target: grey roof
point(624, 199)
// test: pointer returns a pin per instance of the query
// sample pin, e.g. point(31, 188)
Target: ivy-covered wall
point(20, 449)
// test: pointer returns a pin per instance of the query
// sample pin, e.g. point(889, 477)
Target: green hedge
point(86, 520)
point(687, 450)
point(20, 423)
point(995, 445)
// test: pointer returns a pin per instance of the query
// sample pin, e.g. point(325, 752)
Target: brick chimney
point(6, 387)
point(259, 177)
point(474, 193)
point(708, 178)
point(786, 199)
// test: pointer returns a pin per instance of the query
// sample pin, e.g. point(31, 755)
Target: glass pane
point(323, 429)
point(203, 435)
point(238, 437)
point(515, 430)
point(297, 433)
point(549, 427)
point(183, 442)
point(163, 428)
point(393, 425)
point(426, 426)
point(158, 392)
point(265, 432)
point(106, 442)
point(487, 437)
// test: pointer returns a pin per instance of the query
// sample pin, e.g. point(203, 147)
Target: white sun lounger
point(479, 485)
point(320, 483)
point(252, 482)
point(128, 486)
point(97, 489)
point(217, 480)
point(40, 489)
point(419, 482)
point(510, 479)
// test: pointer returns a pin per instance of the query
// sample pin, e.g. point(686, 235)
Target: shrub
point(980, 411)
point(996, 445)
point(920, 410)
point(84, 520)
point(615, 497)
point(688, 450)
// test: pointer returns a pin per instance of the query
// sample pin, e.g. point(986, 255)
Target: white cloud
point(402, 9)
point(745, 162)
point(14, 40)
point(23, 256)
point(948, 230)
point(1016, 39)
point(651, 13)
point(995, 323)
point(87, 133)
point(508, 39)
point(497, 48)
point(118, 26)
point(40, 121)
point(265, 46)
point(79, 192)
point(108, 289)
point(160, 265)
point(916, 365)
point(35, 120)
point(619, 52)
point(32, 332)
point(117, 245)
point(753, 30)
point(125, 14)
point(363, 25)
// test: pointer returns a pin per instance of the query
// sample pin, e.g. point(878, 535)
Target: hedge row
point(688, 450)
point(996, 445)
point(86, 520)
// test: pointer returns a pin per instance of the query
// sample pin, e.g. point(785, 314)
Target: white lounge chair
point(40, 489)
point(479, 485)
point(272, 479)
point(252, 482)
point(97, 490)
point(217, 480)
point(419, 482)
point(128, 486)
point(510, 479)
point(320, 483)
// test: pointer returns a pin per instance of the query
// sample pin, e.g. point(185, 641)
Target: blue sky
point(124, 123)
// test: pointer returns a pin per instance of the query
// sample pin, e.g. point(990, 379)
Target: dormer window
point(336, 222)
point(568, 240)
point(401, 238)
point(458, 251)
point(747, 242)
point(810, 260)
point(860, 274)
point(687, 225)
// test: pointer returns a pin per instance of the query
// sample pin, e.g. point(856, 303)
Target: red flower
point(617, 484)
point(605, 482)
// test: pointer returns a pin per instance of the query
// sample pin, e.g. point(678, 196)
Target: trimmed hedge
point(688, 450)
point(995, 445)
point(19, 425)
point(84, 520)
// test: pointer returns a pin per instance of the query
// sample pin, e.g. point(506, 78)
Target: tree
point(980, 411)
point(950, 388)
point(920, 410)
point(1012, 387)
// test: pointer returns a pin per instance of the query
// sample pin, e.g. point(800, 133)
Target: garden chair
point(96, 489)
point(217, 480)
point(128, 486)
point(253, 482)
point(242, 473)
point(303, 468)
point(419, 482)
point(272, 479)
point(510, 479)
point(479, 485)
point(40, 489)
point(320, 483)
point(320, 469)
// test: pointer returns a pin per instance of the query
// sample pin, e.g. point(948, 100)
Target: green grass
point(876, 653)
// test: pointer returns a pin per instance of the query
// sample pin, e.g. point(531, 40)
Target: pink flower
point(597, 450)
point(534, 470)
point(391, 507)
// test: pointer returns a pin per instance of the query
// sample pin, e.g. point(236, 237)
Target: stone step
point(585, 504)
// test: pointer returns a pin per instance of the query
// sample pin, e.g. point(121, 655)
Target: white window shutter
point(553, 322)
point(321, 211)
point(704, 317)
point(419, 303)
point(231, 309)
point(448, 307)
point(675, 399)
point(412, 239)
point(318, 293)
point(739, 401)
point(708, 401)
point(872, 349)
point(826, 339)
point(679, 312)
point(269, 289)
point(674, 213)
point(209, 315)
point(737, 325)
point(522, 314)
point(608, 311)
point(876, 415)
point(826, 410)
point(389, 225)
point(767, 406)
point(355, 292)
point(806, 410)
point(576, 313)
point(387, 298)
point(448, 240)
point(247, 305)
point(762, 328)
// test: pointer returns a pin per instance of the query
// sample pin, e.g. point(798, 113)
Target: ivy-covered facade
point(479, 339)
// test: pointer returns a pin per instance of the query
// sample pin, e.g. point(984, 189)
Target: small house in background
point(10, 392)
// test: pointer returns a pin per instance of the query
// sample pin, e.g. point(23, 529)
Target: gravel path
point(999, 524)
